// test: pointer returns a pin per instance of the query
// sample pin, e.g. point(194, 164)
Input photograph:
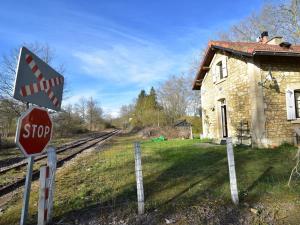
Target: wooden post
point(232, 175)
point(139, 178)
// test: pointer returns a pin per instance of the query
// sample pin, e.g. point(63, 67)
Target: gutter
point(233, 51)
point(266, 53)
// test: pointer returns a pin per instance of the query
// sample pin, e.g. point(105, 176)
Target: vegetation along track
point(62, 154)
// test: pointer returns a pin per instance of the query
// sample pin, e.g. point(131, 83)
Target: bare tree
point(279, 19)
point(81, 108)
point(176, 97)
point(94, 114)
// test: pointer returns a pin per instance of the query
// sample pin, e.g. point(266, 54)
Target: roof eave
point(197, 82)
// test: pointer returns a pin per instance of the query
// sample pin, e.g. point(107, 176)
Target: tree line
point(170, 101)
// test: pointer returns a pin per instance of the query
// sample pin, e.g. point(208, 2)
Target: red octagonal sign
point(34, 131)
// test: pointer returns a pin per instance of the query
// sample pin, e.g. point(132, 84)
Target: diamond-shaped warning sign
point(37, 82)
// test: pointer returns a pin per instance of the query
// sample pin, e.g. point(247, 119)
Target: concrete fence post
point(27, 190)
point(52, 163)
point(43, 196)
point(232, 174)
point(191, 133)
point(139, 178)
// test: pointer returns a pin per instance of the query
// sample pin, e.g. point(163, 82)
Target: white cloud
point(82, 94)
point(129, 63)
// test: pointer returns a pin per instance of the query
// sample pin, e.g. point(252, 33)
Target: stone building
point(250, 91)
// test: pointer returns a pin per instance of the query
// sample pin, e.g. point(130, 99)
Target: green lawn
point(178, 175)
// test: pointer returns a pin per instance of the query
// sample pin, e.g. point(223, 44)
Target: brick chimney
point(264, 37)
point(275, 40)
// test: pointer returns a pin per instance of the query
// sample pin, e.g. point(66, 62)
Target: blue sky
point(112, 49)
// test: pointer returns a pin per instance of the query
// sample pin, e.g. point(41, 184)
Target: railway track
point(18, 162)
point(63, 156)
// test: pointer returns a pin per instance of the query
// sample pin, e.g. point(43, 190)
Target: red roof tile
point(252, 47)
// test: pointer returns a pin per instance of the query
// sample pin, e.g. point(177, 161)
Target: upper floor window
point(219, 70)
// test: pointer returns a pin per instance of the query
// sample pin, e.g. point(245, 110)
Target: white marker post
point(232, 175)
point(139, 178)
point(52, 160)
point(43, 196)
point(24, 212)
point(47, 181)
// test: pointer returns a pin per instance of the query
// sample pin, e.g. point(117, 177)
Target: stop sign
point(34, 131)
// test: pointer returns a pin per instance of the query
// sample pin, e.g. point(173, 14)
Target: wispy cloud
point(75, 98)
point(127, 63)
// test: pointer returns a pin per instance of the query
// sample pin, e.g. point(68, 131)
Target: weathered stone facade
point(251, 98)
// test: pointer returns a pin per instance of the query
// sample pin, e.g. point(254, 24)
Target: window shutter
point(214, 73)
point(290, 105)
point(224, 67)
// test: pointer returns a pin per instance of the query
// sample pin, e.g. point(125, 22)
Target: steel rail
point(35, 175)
point(59, 150)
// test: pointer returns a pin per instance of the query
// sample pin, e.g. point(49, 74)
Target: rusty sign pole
point(232, 174)
point(139, 178)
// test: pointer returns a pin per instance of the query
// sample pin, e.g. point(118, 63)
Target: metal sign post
point(139, 178)
point(232, 175)
point(27, 190)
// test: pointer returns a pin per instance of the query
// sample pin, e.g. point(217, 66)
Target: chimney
point(275, 40)
point(264, 37)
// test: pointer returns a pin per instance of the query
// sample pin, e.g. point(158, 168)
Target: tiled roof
point(252, 47)
point(249, 49)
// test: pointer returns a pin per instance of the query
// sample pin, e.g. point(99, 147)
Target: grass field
point(183, 179)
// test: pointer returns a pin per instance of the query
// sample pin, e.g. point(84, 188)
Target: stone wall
point(286, 75)
point(262, 105)
point(234, 89)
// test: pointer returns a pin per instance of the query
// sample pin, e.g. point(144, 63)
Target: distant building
point(184, 129)
point(250, 91)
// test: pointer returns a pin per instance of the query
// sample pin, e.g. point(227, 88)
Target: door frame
point(224, 120)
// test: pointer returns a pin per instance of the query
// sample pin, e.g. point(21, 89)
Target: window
point(297, 103)
point(220, 70)
point(293, 104)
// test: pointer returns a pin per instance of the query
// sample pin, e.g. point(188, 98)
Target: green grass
point(176, 172)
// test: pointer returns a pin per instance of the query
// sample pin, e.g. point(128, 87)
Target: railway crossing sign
point(36, 82)
point(34, 131)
